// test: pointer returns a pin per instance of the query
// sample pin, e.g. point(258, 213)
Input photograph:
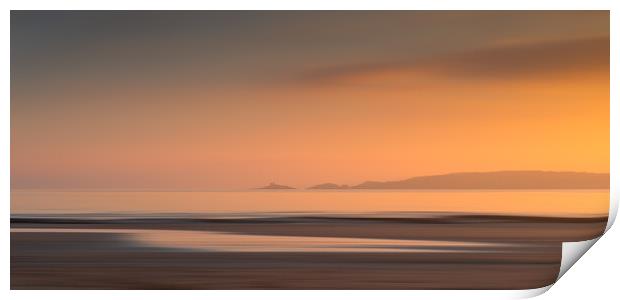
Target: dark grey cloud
point(495, 62)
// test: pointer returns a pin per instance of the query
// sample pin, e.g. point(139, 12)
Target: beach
point(446, 252)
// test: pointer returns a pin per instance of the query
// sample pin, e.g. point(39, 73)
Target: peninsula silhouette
point(489, 180)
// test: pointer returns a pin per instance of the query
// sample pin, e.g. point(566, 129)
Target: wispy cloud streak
point(495, 62)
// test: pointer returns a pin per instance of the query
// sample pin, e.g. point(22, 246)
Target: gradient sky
point(229, 100)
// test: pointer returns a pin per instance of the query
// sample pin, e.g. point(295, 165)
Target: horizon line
point(259, 188)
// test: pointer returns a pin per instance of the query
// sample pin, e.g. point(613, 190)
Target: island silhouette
point(489, 180)
point(275, 186)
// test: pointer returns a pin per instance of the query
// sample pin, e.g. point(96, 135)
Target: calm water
point(521, 202)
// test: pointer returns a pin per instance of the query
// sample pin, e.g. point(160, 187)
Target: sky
point(231, 100)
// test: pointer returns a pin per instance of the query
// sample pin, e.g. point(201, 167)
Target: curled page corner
point(533, 292)
point(572, 252)
point(614, 197)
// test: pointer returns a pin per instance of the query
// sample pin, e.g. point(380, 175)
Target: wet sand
point(110, 261)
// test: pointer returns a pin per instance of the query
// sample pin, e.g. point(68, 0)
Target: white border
point(279, 5)
point(312, 5)
point(614, 115)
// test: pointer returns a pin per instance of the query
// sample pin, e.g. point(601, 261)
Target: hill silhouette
point(497, 180)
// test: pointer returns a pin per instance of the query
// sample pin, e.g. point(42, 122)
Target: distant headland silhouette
point(489, 180)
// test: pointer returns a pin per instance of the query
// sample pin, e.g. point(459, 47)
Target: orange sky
point(510, 97)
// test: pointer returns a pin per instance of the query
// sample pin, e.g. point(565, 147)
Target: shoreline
point(457, 227)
